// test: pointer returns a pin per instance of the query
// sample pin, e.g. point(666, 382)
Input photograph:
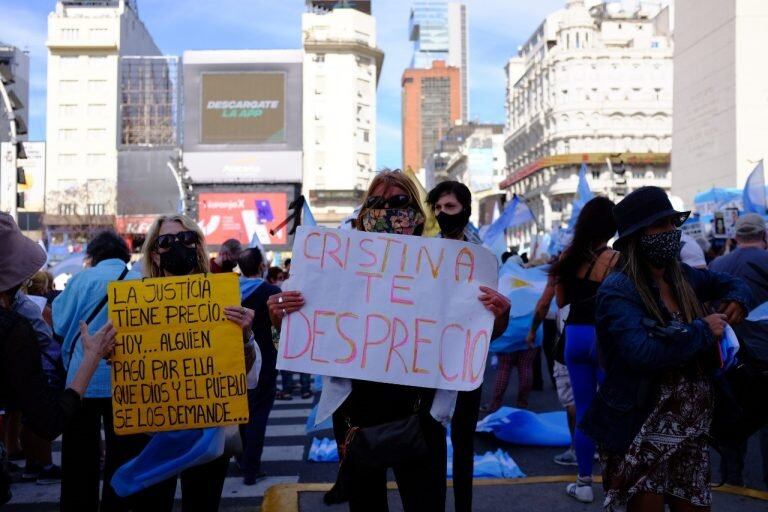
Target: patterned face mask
point(399, 221)
point(661, 249)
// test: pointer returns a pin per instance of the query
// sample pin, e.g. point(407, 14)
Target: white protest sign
point(388, 308)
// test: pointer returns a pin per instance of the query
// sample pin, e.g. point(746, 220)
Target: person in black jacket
point(261, 392)
point(659, 346)
point(22, 381)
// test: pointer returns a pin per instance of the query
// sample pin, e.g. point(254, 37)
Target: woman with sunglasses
point(175, 246)
point(392, 205)
point(659, 346)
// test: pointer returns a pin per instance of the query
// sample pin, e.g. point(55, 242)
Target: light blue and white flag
point(754, 192)
point(515, 214)
point(307, 219)
point(583, 195)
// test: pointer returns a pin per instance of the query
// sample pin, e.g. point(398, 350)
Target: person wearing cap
point(748, 262)
point(658, 346)
point(22, 381)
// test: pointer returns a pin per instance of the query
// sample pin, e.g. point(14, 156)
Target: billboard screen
point(243, 108)
point(360, 5)
point(243, 216)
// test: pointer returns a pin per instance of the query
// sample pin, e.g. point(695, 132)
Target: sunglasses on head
point(398, 201)
point(185, 237)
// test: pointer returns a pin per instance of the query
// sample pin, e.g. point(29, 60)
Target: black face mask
point(179, 260)
point(451, 225)
point(661, 249)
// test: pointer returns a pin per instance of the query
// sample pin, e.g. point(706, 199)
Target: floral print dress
point(669, 455)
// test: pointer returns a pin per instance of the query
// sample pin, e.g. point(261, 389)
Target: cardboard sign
point(388, 308)
point(178, 361)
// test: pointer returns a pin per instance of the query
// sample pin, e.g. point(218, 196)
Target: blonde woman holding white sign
point(373, 414)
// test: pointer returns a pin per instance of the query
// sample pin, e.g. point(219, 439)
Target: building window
point(67, 110)
point(67, 62)
point(320, 85)
point(318, 57)
point(96, 134)
point(67, 159)
point(95, 159)
point(638, 175)
point(70, 34)
point(97, 110)
point(595, 175)
point(68, 86)
point(96, 209)
point(98, 62)
point(67, 209)
point(66, 135)
point(366, 136)
point(97, 86)
point(98, 33)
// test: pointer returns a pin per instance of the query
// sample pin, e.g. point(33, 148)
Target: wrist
point(90, 360)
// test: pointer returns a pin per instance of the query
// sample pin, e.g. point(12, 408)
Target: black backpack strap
point(93, 315)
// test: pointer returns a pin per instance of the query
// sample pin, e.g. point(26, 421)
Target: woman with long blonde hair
point(175, 246)
point(392, 205)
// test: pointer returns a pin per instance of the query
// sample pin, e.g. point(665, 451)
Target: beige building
point(85, 46)
point(341, 73)
point(721, 94)
point(591, 85)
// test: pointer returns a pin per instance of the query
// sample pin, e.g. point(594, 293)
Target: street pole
point(14, 155)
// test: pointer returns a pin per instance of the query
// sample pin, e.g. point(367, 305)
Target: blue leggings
point(585, 373)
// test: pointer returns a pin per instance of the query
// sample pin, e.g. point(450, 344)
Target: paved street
point(287, 447)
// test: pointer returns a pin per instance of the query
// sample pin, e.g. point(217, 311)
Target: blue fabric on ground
point(166, 455)
point(498, 464)
point(323, 450)
point(311, 427)
point(519, 426)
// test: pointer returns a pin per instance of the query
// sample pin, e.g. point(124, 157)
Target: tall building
point(438, 30)
point(86, 42)
point(431, 105)
point(15, 63)
point(341, 73)
point(721, 94)
point(589, 86)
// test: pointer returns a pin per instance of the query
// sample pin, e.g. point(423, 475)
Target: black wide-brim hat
point(641, 209)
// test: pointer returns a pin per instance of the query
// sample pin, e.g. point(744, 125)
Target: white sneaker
point(567, 458)
point(581, 491)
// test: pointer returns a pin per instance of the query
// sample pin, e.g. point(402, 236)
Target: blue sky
point(496, 29)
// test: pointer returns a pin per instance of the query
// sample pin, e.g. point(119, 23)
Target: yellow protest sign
point(178, 361)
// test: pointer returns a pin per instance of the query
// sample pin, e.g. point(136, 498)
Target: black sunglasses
point(185, 237)
point(398, 201)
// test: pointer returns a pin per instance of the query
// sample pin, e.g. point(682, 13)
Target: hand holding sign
point(388, 308)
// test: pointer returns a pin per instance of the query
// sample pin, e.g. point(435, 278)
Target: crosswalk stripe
point(286, 430)
point(290, 452)
point(233, 488)
point(289, 413)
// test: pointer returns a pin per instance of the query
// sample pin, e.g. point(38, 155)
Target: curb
point(285, 497)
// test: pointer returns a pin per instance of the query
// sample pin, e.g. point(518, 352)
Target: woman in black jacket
point(658, 346)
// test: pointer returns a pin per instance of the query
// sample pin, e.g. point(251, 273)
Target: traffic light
point(12, 105)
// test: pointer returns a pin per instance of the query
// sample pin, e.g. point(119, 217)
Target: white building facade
point(721, 94)
point(85, 44)
point(590, 86)
point(341, 72)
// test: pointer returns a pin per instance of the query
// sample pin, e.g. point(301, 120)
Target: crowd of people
point(633, 352)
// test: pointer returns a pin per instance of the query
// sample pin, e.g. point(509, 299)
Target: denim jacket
point(634, 349)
